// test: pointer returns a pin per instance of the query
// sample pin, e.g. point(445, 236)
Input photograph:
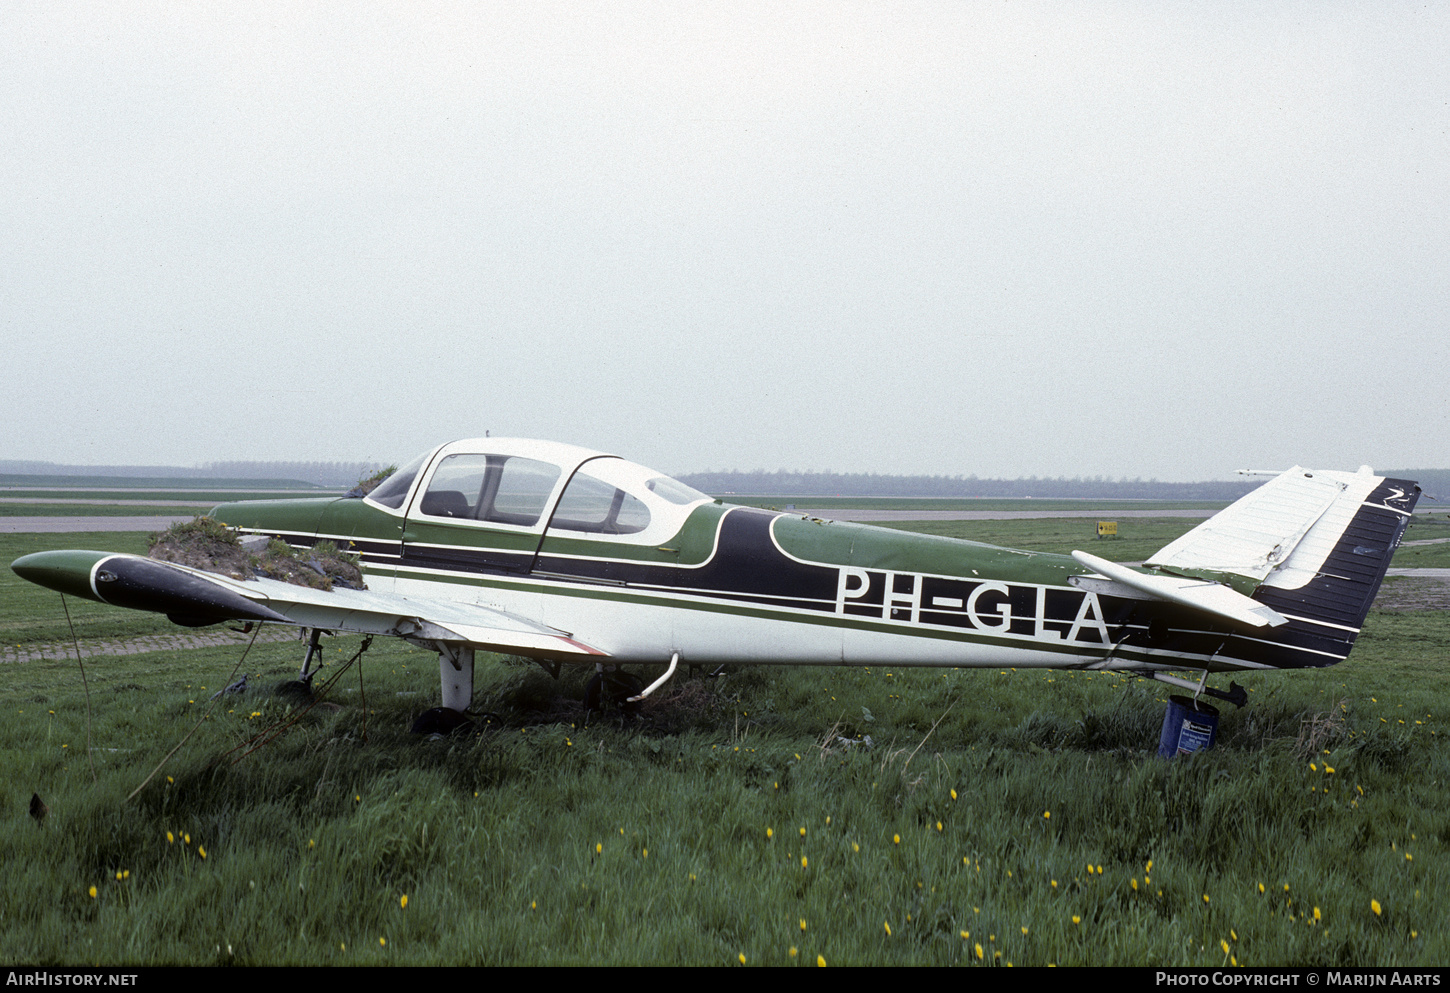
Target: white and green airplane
point(563, 555)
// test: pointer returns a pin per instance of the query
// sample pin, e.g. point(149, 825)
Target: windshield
point(392, 491)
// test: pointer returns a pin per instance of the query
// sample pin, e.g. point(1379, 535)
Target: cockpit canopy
point(532, 485)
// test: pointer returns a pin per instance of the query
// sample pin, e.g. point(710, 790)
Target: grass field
point(100, 510)
point(997, 816)
point(968, 503)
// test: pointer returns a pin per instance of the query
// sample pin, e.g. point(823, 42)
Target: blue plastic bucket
point(1188, 727)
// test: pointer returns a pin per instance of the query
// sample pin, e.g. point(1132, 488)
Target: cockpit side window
point(521, 492)
point(591, 505)
point(456, 487)
point(496, 488)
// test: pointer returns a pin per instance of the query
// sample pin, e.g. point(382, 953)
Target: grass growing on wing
point(1020, 809)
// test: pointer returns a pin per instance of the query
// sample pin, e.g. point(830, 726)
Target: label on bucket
point(1194, 737)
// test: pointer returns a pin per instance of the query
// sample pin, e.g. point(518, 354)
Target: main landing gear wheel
point(613, 689)
point(440, 720)
point(297, 691)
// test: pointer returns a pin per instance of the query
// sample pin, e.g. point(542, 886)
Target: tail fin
point(1312, 546)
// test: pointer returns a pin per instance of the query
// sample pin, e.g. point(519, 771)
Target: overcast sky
point(1157, 240)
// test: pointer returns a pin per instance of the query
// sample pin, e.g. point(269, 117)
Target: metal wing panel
point(370, 612)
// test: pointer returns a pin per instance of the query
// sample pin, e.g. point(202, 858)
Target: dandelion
point(966, 935)
point(1205, 898)
point(820, 961)
point(803, 861)
point(803, 923)
point(887, 925)
point(1375, 906)
point(93, 892)
point(311, 842)
point(1024, 931)
point(980, 955)
point(403, 902)
point(382, 942)
point(1046, 814)
point(742, 958)
point(1409, 857)
point(1076, 919)
point(954, 794)
point(855, 846)
point(201, 850)
point(599, 848)
point(118, 875)
point(170, 838)
point(793, 952)
point(938, 827)
point(1317, 918)
point(896, 839)
point(769, 832)
point(803, 830)
point(1223, 943)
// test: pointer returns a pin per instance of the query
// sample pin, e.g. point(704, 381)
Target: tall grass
point(1019, 811)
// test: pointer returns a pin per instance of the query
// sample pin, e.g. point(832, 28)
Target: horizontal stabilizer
point(1256, 534)
point(1213, 598)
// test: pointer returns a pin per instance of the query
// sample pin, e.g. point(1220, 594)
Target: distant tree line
point(815, 484)
point(321, 473)
point(339, 474)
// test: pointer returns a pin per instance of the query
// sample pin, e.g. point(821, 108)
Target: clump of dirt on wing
point(204, 543)
point(209, 545)
point(319, 567)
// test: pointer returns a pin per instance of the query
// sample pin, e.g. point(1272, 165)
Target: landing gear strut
point(301, 687)
point(455, 672)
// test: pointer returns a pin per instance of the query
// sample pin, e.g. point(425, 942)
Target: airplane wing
point(191, 596)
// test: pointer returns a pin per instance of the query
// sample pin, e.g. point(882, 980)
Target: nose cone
point(67, 571)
